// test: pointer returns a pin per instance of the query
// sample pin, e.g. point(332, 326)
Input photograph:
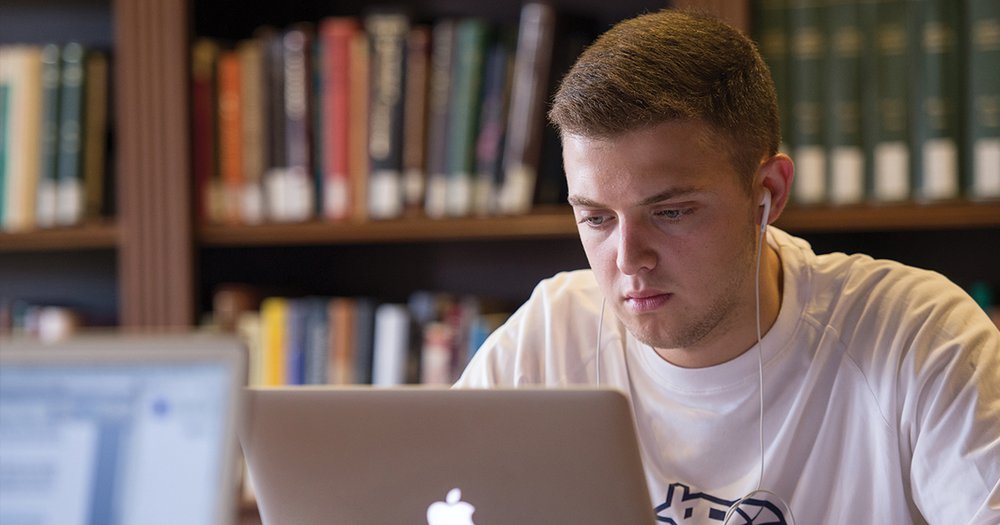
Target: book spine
point(317, 337)
point(204, 157)
point(25, 130)
point(843, 103)
point(771, 30)
point(387, 33)
point(298, 201)
point(336, 35)
point(5, 125)
point(807, 95)
point(493, 124)
point(341, 364)
point(69, 197)
point(442, 53)
point(936, 125)
point(252, 126)
point(982, 94)
point(391, 345)
point(95, 143)
point(274, 323)
point(230, 136)
point(277, 152)
point(527, 107)
point(470, 47)
point(892, 156)
point(359, 113)
point(48, 177)
point(418, 48)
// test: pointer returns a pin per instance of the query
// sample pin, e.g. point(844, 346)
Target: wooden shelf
point(99, 235)
point(957, 215)
point(552, 222)
point(557, 222)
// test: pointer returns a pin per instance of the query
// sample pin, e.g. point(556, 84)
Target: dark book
point(294, 186)
point(807, 83)
point(97, 182)
point(203, 123)
point(981, 44)
point(418, 49)
point(442, 53)
point(493, 122)
point(770, 29)
point(526, 119)
point(935, 123)
point(69, 196)
point(387, 34)
point(892, 152)
point(842, 104)
point(48, 173)
point(471, 36)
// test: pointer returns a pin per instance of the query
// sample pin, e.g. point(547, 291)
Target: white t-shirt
point(881, 393)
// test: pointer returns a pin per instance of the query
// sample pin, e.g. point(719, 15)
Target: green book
point(935, 123)
point(69, 195)
point(843, 102)
point(471, 40)
point(45, 208)
point(807, 80)
point(771, 32)
point(982, 95)
point(892, 157)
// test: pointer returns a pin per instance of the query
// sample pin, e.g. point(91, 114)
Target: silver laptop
point(444, 457)
point(120, 430)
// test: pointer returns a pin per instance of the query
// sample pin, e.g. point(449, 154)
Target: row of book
point(887, 100)
point(54, 136)
point(377, 116)
point(356, 340)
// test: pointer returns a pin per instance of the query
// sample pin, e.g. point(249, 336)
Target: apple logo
point(452, 511)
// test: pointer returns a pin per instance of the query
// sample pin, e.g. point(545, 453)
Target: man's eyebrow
point(672, 193)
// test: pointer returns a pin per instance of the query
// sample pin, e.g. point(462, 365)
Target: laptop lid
point(444, 457)
point(120, 430)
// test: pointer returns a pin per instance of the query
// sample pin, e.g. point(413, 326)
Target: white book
point(391, 344)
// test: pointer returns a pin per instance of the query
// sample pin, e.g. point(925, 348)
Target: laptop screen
point(106, 443)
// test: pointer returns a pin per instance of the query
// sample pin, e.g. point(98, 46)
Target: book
point(274, 312)
point(69, 195)
point(230, 136)
point(387, 34)
point(358, 159)
point(493, 123)
point(470, 48)
point(935, 125)
point(336, 35)
point(316, 328)
point(23, 76)
point(525, 121)
point(438, 121)
point(341, 358)
point(892, 156)
point(48, 176)
point(253, 122)
point(770, 29)
point(573, 35)
point(204, 54)
point(806, 92)
point(981, 45)
point(842, 102)
point(97, 182)
point(290, 184)
point(5, 131)
point(418, 49)
point(391, 345)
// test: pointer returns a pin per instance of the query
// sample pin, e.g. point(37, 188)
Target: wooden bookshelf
point(155, 235)
point(100, 235)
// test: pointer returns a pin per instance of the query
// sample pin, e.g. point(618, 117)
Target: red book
point(336, 35)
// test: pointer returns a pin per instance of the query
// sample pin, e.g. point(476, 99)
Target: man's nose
point(635, 250)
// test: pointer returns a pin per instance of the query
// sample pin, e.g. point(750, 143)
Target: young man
point(881, 383)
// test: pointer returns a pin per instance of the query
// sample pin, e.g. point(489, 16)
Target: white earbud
point(765, 201)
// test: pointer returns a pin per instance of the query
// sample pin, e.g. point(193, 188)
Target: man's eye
point(674, 214)
point(595, 220)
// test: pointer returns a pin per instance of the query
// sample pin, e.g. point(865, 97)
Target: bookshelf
point(159, 265)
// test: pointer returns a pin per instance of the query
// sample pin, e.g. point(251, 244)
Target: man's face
point(669, 232)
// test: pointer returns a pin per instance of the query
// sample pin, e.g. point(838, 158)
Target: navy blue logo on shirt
point(683, 506)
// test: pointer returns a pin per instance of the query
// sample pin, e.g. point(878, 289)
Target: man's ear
point(775, 174)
